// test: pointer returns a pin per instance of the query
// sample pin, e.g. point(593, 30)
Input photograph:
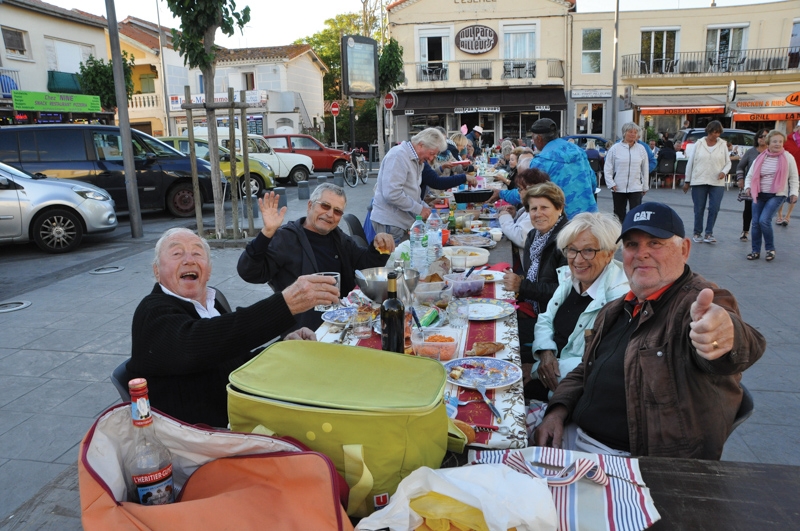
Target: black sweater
point(542, 290)
point(187, 360)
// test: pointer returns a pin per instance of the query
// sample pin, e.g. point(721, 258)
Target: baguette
point(466, 429)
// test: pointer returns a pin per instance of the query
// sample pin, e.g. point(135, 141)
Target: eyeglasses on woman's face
point(588, 254)
point(338, 212)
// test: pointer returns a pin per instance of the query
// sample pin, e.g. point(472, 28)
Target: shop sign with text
point(25, 100)
point(476, 39)
point(467, 110)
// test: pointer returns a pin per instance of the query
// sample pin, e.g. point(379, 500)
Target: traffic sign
point(390, 101)
point(335, 109)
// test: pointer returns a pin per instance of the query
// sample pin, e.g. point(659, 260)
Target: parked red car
point(325, 158)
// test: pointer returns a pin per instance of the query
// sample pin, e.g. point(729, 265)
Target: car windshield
point(14, 172)
point(160, 149)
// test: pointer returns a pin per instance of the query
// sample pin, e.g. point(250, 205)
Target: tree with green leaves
point(200, 20)
point(326, 45)
point(97, 79)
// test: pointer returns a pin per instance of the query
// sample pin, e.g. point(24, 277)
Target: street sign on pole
point(390, 101)
point(335, 113)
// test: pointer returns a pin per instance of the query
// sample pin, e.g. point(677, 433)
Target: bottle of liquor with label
point(148, 464)
point(393, 319)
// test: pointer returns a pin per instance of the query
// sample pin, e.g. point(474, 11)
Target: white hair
point(172, 232)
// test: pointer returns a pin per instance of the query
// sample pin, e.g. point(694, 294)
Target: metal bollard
point(281, 191)
point(338, 179)
point(321, 179)
point(302, 190)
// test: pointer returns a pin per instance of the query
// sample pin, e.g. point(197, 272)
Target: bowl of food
point(465, 287)
point(437, 294)
point(435, 343)
point(374, 282)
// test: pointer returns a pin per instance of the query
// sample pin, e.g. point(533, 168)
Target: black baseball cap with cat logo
point(656, 219)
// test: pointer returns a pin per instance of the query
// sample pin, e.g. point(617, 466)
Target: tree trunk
point(213, 140)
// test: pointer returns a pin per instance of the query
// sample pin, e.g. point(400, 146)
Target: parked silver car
point(54, 213)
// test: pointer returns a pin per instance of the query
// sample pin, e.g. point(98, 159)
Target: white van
point(287, 166)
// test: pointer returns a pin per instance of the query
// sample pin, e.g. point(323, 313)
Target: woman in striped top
point(769, 180)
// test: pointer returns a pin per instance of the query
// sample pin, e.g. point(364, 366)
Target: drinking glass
point(458, 263)
point(362, 324)
point(326, 307)
point(458, 313)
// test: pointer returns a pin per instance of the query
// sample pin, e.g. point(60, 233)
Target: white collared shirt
point(205, 312)
point(591, 292)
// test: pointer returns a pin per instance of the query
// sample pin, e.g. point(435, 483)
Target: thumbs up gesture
point(711, 327)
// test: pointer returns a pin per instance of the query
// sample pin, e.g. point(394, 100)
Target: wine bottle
point(392, 319)
point(148, 464)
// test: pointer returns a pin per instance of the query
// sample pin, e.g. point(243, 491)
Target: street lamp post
point(614, 96)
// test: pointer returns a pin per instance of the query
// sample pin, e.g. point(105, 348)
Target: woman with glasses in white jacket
point(626, 170)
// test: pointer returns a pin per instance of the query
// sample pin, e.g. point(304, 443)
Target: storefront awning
point(683, 104)
point(63, 82)
point(765, 106)
point(765, 117)
point(462, 101)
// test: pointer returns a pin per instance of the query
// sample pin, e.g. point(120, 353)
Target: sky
point(281, 22)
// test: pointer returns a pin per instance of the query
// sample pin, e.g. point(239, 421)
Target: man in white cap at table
point(661, 370)
point(474, 136)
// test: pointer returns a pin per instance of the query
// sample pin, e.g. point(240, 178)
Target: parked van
point(287, 166)
point(93, 154)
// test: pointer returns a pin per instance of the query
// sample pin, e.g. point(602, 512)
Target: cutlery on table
point(482, 390)
point(502, 430)
point(465, 402)
point(344, 333)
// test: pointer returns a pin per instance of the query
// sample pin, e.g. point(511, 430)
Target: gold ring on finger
point(714, 345)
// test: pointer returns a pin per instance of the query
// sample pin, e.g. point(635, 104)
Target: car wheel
point(180, 200)
point(256, 185)
point(57, 231)
point(338, 166)
point(298, 174)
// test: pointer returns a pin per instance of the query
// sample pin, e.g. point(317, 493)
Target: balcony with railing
point(145, 102)
point(742, 62)
point(9, 80)
point(496, 72)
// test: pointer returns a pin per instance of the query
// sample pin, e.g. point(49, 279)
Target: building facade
point(502, 64)
point(41, 50)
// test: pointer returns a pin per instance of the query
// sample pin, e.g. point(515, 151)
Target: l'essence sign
point(476, 39)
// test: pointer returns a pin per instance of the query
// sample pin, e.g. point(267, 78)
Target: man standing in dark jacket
point(661, 371)
point(313, 244)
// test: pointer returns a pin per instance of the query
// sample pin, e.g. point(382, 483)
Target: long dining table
point(509, 400)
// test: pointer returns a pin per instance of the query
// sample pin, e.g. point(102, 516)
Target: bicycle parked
point(355, 169)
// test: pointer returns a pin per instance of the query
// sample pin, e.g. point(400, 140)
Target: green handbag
point(377, 415)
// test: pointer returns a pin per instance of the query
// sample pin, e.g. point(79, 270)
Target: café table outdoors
point(509, 400)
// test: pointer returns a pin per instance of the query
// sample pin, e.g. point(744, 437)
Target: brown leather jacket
point(679, 404)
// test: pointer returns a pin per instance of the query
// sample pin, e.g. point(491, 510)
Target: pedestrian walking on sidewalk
point(627, 170)
point(706, 170)
point(771, 177)
point(741, 170)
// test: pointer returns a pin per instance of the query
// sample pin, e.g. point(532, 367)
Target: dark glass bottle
point(148, 464)
point(392, 319)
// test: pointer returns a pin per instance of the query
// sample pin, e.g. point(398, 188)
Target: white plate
point(489, 309)
point(339, 316)
point(491, 372)
point(491, 276)
point(476, 256)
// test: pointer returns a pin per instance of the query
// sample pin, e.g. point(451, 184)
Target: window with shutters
point(66, 56)
point(16, 43)
point(147, 83)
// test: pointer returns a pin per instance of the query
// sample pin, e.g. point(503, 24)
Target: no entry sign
point(335, 109)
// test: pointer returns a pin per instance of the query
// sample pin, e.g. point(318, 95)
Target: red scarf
point(781, 174)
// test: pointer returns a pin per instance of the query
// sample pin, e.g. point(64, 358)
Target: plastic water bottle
point(419, 256)
point(434, 229)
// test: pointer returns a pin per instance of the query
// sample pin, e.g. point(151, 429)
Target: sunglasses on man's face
point(338, 212)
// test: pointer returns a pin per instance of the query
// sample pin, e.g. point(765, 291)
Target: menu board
point(360, 66)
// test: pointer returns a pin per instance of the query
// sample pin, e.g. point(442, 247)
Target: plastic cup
point(362, 324)
point(458, 313)
point(326, 307)
point(458, 263)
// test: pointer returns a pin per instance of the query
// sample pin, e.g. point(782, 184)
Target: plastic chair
point(665, 167)
point(120, 376)
point(745, 408)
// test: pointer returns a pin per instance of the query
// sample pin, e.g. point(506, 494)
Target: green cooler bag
point(377, 415)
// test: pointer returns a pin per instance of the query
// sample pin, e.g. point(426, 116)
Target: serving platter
point(473, 240)
point(489, 309)
point(476, 256)
point(491, 372)
point(340, 316)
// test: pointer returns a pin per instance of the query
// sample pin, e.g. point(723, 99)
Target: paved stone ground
point(56, 357)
